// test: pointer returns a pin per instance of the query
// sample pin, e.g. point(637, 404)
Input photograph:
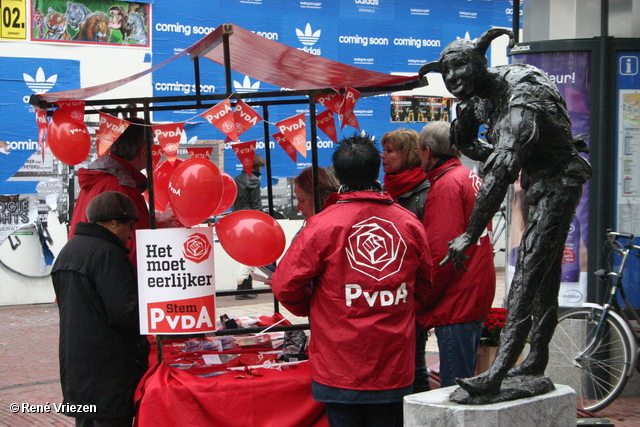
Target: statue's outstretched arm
point(501, 170)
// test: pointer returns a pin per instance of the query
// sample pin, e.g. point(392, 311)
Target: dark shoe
point(247, 284)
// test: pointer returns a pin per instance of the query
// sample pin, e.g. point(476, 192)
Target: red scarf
point(397, 185)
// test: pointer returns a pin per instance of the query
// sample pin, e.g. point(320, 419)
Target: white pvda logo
point(376, 248)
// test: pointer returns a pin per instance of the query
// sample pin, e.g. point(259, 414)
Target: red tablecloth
point(174, 397)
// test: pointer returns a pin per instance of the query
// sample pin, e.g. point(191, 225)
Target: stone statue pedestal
point(433, 408)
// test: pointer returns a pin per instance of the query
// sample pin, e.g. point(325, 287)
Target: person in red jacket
point(407, 183)
point(118, 170)
point(369, 263)
point(467, 297)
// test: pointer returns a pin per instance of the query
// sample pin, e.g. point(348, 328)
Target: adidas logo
point(467, 36)
point(308, 37)
point(246, 86)
point(40, 84)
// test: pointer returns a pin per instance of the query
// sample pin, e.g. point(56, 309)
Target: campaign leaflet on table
point(176, 280)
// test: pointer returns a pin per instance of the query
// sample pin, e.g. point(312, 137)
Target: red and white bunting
point(332, 101)
point(75, 109)
point(169, 137)
point(327, 124)
point(41, 121)
point(221, 116)
point(245, 117)
point(286, 145)
point(110, 129)
point(295, 130)
point(245, 152)
point(346, 115)
point(199, 152)
point(156, 155)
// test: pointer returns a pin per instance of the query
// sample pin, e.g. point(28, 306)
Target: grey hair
point(435, 135)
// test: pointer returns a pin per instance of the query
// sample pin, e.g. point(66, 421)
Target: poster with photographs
point(420, 109)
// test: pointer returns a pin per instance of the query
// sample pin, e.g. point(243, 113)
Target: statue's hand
point(456, 251)
point(466, 115)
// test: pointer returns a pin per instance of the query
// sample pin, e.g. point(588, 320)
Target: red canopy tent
point(266, 60)
point(240, 50)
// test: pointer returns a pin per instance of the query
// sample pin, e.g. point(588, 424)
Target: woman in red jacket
point(406, 182)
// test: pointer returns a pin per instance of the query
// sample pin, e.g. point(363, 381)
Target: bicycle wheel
point(598, 377)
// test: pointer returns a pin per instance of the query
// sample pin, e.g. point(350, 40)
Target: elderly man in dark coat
point(102, 355)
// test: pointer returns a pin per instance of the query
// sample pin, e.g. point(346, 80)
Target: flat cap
point(111, 205)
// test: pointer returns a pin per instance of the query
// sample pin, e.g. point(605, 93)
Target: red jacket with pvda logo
point(368, 263)
point(467, 295)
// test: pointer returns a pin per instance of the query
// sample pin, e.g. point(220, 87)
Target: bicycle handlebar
point(612, 238)
point(615, 234)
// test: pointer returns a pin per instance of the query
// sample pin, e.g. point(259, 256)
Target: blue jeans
point(458, 346)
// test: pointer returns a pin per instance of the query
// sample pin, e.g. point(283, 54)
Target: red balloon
point(250, 237)
point(195, 190)
point(228, 195)
point(68, 140)
point(161, 176)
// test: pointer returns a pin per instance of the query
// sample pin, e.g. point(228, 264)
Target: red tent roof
point(262, 59)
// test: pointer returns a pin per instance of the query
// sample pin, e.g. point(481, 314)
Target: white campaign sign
point(176, 281)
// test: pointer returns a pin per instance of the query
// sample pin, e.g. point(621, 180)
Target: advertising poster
point(16, 212)
point(570, 73)
point(420, 109)
point(115, 23)
point(176, 281)
point(23, 167)
point(628, 160)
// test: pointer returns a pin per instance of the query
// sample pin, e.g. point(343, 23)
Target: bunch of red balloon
point(196, 190)
point(68, 139)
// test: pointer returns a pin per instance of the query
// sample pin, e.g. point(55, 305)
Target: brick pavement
point(29, 363)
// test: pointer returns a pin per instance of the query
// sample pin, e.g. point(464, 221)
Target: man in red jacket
point(118, 170)
point(458, 314)
point(357, 269)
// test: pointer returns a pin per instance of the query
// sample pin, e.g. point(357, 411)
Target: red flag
point(221, 116)
point(295, 130)
point(156, 154)
point(346, 115)
point(327, 124)
point(200, 152)
point(245, 117)
point(110, 129)
point(75, 109)
point(41, 120)
point(245, 152)
point(169, 137)
point(332, 101)
point(286, 145)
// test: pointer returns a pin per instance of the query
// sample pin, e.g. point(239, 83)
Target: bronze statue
point(528, 131)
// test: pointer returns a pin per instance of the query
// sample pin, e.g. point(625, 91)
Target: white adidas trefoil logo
point(308, 37)
point(467, 36)
point(246, 86)
point(40, 84)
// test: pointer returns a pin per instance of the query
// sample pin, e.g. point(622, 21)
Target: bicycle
point(595, 347)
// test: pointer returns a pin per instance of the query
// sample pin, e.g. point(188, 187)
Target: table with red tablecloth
point(260, 397)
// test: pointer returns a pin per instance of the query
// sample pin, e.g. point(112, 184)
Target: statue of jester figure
point(528, 132)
